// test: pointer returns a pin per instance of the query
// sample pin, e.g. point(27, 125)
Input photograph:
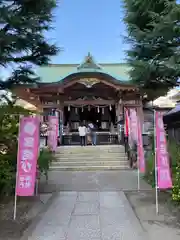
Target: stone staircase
point(77, 158)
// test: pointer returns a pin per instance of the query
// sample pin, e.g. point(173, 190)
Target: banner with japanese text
point(28, 148)
point(140, 148)
point(61, 126)
point(164, 179)
point(126, 126)
point(53, 132)
point(133, 124)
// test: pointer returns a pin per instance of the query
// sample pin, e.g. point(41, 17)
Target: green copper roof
point(57, 72)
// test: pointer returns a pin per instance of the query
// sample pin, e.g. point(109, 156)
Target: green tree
point(154, 36)
point(23, 45)
point(9, 122)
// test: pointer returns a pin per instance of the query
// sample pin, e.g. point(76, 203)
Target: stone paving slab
point(88, 196)
point(86, 208)
point(89, 216)
point(84, 227)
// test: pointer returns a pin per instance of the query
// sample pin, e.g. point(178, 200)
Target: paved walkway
point(89, 216)
point(93, 181)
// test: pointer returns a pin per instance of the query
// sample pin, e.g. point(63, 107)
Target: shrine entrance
point(103, 117)
point(90, 115)
point(87, 92)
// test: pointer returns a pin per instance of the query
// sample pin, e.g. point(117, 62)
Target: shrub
point(44, 161)
point(150, 169)
point(9, 124)
point(174, 154)
point(174, 150)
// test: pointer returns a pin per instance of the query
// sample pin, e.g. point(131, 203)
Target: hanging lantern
point(69, 108)
point(76, 110)
point(110, 108)
point(89, 108)
point(103, 111)
point(98, 110)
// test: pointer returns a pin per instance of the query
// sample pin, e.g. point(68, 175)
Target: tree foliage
point(9, 122)
point(23, 24)
point(9, 128)
point(154, 36)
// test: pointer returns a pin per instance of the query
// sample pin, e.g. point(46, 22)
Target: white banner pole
point(15, 206)
point(15, 200)
point(155, 163)
point(37, 182)
point(138, 173)
point(15, 196)
point(137, 120)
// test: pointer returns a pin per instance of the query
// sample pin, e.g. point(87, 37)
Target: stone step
point(106, 156)
point(89, 159)
point(88, 168)
point(89, 148)
point(98, 155)
point(77, 158)
point(97, 146)
point(90, 152)
point(82, 150)
point(86, 163)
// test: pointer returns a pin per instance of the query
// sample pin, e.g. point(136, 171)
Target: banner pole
point(37, 182)
point(155, 163)
point(15, 199)
point(137, 139)
point(15, 195)
point(138, 174)
point(15, 207)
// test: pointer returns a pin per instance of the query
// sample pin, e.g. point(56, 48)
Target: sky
point(95, 26)
point(82, 26)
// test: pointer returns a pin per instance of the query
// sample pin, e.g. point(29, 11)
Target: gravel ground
point(27, 210)
point(166, 224)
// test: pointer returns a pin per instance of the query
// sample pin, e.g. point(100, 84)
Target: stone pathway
point(92, 181)
point(89, 215)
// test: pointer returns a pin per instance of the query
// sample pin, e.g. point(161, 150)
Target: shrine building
point(85, 92)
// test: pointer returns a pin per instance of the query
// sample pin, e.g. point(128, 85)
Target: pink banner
point(28, 147)
point(126, 126)
point(163, 169)
point(53, 132)
point(140, 148)
point(133, 124)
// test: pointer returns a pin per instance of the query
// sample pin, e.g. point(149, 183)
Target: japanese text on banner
point(53, 132)
point(133, 124)
point(163, 169)
point(140, 148)
point(28, 145)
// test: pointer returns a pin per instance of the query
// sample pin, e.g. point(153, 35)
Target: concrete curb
point(133, 216)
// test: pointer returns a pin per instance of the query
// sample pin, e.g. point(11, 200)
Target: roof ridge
point(76, 64)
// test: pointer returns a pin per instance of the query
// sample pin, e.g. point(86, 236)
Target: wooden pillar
point(140, 114)
point(60, 110)
point(119, 110)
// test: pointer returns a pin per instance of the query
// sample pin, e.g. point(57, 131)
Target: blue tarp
point(174, 110)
